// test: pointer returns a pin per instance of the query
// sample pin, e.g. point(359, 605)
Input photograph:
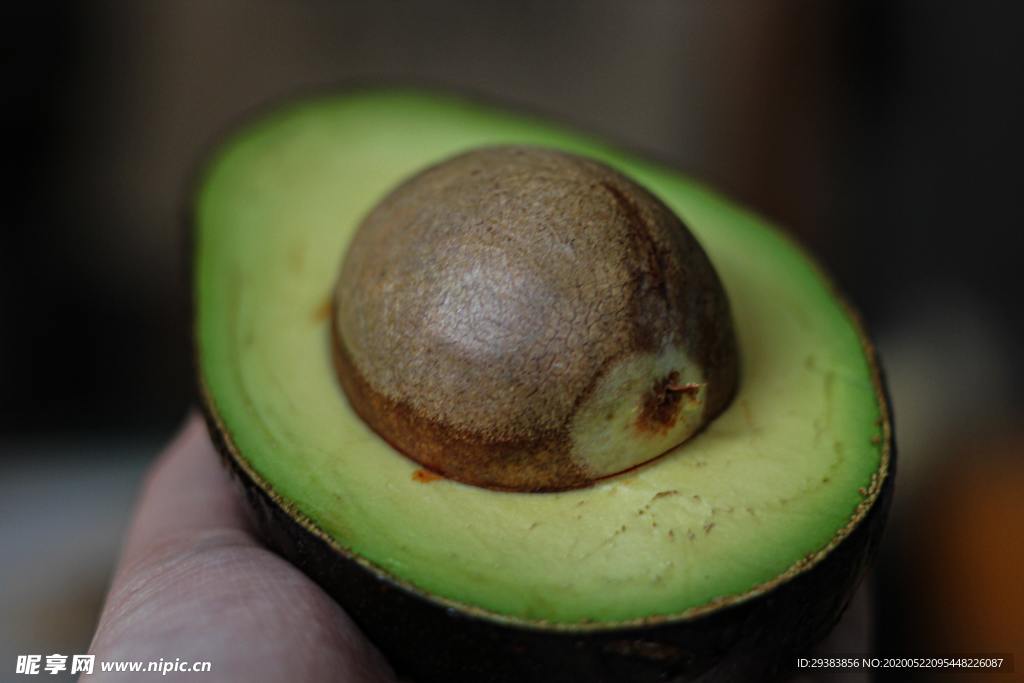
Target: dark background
point(886, 135)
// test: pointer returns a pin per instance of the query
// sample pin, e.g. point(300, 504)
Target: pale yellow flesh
point(770, 481)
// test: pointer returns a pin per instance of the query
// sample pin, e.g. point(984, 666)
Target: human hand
point(194, 582)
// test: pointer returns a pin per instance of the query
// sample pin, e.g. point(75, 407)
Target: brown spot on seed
point(661, 405)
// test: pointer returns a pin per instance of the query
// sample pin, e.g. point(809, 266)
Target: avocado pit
point(525, 319)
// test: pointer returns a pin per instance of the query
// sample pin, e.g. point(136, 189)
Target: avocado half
point(721, 560)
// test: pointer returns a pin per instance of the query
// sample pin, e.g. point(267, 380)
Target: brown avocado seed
point(526, 319)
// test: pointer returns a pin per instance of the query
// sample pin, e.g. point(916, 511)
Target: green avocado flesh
point(769, 487)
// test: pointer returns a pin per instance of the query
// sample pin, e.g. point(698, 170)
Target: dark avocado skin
point(429, 642)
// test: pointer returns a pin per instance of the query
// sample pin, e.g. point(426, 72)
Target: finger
point(188, 493)
point(194, 584)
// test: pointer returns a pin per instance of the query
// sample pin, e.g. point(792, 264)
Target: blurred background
point(887, 136)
